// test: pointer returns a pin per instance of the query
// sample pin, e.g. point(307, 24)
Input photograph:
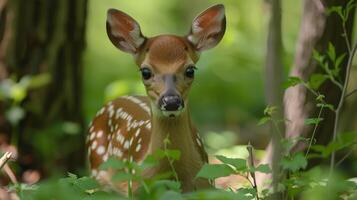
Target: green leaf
point(270, 110)
point(331, 52)
point(316, 80)
point(124, 176)
point(112, 163)
point(324, 105)
point(335, 9)
point(263, 168)
point(15, 114)
point(18, 93)
point(212, 171)
point(172, 195)
point(321, 97)
point(339, 60)
point(38, 81)
point(71, 128)
point(312, 121)
point(294, 162)
point(264, 120)
point(173, 154)
point(292, 81)
point(318, 57)
point(238, 163)
point(344, 140)
point(86, 183)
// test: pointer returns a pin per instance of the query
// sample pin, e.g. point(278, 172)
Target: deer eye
point(190, 72)
point(146, 73)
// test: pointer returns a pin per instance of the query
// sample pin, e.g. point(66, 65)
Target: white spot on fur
point(138, 147)
point(137, 132)
point(198, 142)
point(100, 150)
point(126, 144)
point(99, 134)
point(94, 145)
point(94, 172)
point(92, 135)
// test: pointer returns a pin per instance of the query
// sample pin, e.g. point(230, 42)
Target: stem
point(346, 156)
point(4, 159)
point(170, 161)
point(314, 132)
point(251, 164)
point(340, 104)
point(346, 38)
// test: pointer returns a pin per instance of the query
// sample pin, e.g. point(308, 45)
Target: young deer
point(131, 127)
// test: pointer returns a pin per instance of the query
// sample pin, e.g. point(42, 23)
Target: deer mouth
point(172, 114)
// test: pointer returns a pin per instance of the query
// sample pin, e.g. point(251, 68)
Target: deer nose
point(171, 103)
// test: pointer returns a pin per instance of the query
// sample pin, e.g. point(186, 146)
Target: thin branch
point(314, 132)
point(340, 104)
point(345, 156)
point(346, 38)
point(10, 173)
point(3, 160)
point(349, 94)
point(251, 164)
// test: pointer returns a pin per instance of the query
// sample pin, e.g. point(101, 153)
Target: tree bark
point(45, 37)
point(273, 82)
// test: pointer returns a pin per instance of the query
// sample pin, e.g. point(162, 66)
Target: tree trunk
point(45, 37)
point(273, 82)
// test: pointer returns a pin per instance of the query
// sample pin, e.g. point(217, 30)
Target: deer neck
point(177, 129)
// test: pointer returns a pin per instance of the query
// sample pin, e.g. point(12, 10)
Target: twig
point(251, 164)
point(314, 132)
point(340, 104)
point(345, 156)
point(10, 173)
point(4, 159)
point(349, 94)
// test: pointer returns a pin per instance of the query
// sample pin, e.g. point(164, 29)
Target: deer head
point(167, 62)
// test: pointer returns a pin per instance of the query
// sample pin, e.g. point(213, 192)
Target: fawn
point(132, 127)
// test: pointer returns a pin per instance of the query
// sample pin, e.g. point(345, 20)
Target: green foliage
point(212, 171)
point(294, 162)
point(345, 140)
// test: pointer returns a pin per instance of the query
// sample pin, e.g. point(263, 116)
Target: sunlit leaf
point(15, 114)
point(324, 105)
point(270, 110)
point(292, 81)
point(312, 121)
point(212, 171)
point(264, 120)
point(263, 168)
point(238, 163)
point(18, 93)
point(71, 128)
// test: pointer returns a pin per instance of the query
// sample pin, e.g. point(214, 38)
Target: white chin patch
point(171, 113)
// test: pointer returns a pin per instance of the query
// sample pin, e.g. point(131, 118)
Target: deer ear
point(124, 32)
point(208, 28)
